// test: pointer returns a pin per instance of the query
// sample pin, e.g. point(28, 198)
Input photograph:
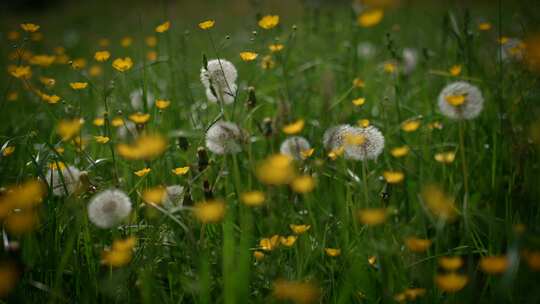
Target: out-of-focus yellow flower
point(417, 245)
point(104, 42)
point(154, 195)
point(294, 127)
point(142, 172)
point(211, 211)
point(120, 254)
point(78, 63)
point(13, 96)
point(393, 177)
point(334, 154)
point(126, 41)
point(151, 55)
point(22, 221)
point(248, 56)
point(22, 72)
point(99, 121)
point(145, 147)
point(269, 244)
point(8, 151)
point(30, 27)
point(23, 196)
point(398, 152)
point(455, 100)
point(450, 263)
point(59, 150)
point(372, 216)
point(364, 123)
point(122, 64)
point(151, 41)
point(13, 35)
point(78, 85)
point(50, 82)
point(162, 28)
point(259, 255)
point(299, 229)
point(207, 24)
point(101, 139)
point(288, 241)
point(275, 47)
point(9, 277)
point(303, 184)
point(358, 83)
point(439, 203)
point(139, 118)
point(297, 292)
point(102, 56)
point(445, 157)
point(267, 62)
point(277, 169)
point(181, 170)
point(390, 67)
point(533, 259)
point(42, 60)
point(68, 128)
point(252, 198)
point(305, 154)
point(50, 99)
point(455, 70)
point(95, 71)
point(117, 122)
point(332, 252)
point(411, 125)
point(162, 104)
point(358, 101)
point(484, 26)
point(410, 294)
point(372, 260)
point(451, 282)
point(531, 48)
point(435, 125)
point(269, 21)
point(370, 17)
point(494, 264)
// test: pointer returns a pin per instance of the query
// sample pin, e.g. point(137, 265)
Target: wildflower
point(12, 96)
point(288, 241)
point(30, 27)
point(494, 264)
point(20, 222)
point(372, 216)
point(126, 41)
point(68, 128)
point(332, 252)
point(70, 177)
point(151, 55)
point(393, 177)
point(101, 139)
point(303, 184)
point(398, 152)
point(413, 293)
point(139, 118)
point(533, 259)
point(252, 198)
point(411, 125)
point(142, 172)
point(358, 83)
point(439, 203)
point(269, 21)
point(102, 56)
point(120, 254)
point(42, 60)
point(248, 56)
point(108, 208)
point(269, 244)
point(451, 282)
point(22, 72)
point(435, 125)
point(484, 26)
point(219, 80)
point(13, 35)
point(145, 147)
point(359, 101)
point(154, 195)
point(50, 99)
point(297, 292)
point(390, 67)
point(224, 137)
point(370, 17)
point(104, 42)
point(532, 52)
point(206, 25)
point(95, 71)
point(181, 170)
point(275, 47)
point(512, 49)
point(307, 153)
point(358, 143)
point(455, 70)
point(294, 147)
point(417, 245)
point(117, 122)
point(259, 255)
point(162, 104)
point(461, 100)
point(364, 123)
point(445, 157)
point(267, 62)
point(8, 150)
point(294, 127)
point(25, 196)
point(299, 229)
point(450, 263)
point(162, 28)
point(276, 169)
point(78, 63)
point(210, 211)
point(122, 64)
point(78, 85)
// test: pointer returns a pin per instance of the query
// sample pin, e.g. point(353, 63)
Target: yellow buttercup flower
point(359, 101)
point(12, 96)
point(252, 198)
point(411, 125)
point(372, 260)
point(248, 56)
point(50, 82)
point(438, 202)
point(145, 147)
point(121, 253)
point(269, 244)
point(101, 139)
point(98, 121)
point(126, 41)
point(358, 83)
point(398, 152)
point(393, 177)
point(417, 245)
point(139, 118)
point(78, 85)
point(22, 72)
point(162, 28)
point(296, 292)
point(259, 255)
point(372, 216)
point(455, 70)
point(484, 26)
point(455, 100)
point(78, 63)
point(142, 172)
point(162, 104)
point(42, 60)
point(30, 27)
point(151, 55)
point(364, 123)
point(277, 169)
point(211, 211)
point(294, 128)
point(95, 70)
point(334, 154)
point(390, 67)
point(451, 282)
point(288, 241)
point(370, 17)
point(332, 252)
point(122, 64)
point(445, 157)
point(50, 99)
point(207, 24)
point(68, 128)
point(151, 41)
point(181, 170)
point(275, 47)
point(305, 154)
point(494, 264)
point(117, 122)
point(8, 151)
point(102, 56)
point(269, 21)
point(299, 229)
point(154, 195)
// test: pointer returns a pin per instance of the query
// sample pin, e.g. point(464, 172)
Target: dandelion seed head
point(358, 143)
point(220, 75)
point(334, 137)
point(224, 138)
point(136, 99)
point(293, 147)
point(410, 60)
point(174, 196)
point(72, 180)
point(108, 208)
point(468, 108)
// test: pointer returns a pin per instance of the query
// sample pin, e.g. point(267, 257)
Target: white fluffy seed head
point(294, 146)
point(221, 77)
point(512, 50)
point(410, 60)
point(174, 196)
point(71, 177)
point(334, 137)
point(224, 137)
point(366, 50)
point(136, 99)
point(471, 107)
point(371, 147)
point(108, 208)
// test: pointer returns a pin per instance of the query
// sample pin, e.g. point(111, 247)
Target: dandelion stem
point(365, 183)
point(463, 158)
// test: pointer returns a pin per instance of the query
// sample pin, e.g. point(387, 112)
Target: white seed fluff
point(334, 137)
point(371, 148)
point(72, 180)
point(136, 99)
point(224, 137)
point(108, 208)
point(471, 108)
point(410, 60)
point(221, 77)
point(174, 196)
point(293, 147)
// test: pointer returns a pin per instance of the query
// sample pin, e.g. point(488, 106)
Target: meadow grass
point(451, 217)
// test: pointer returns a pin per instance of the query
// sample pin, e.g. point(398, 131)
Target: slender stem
point(463, 158)
point(365, 183)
